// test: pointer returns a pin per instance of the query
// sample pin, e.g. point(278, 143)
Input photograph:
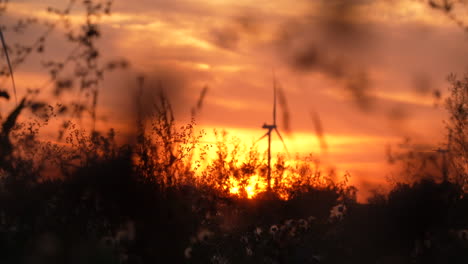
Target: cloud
point(330, 40)
point(226, 38)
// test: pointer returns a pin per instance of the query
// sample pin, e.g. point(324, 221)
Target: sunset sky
point(368, 70)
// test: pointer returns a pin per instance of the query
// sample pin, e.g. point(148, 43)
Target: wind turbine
point(268, 134)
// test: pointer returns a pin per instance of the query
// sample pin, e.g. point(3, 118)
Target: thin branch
point(9, 65)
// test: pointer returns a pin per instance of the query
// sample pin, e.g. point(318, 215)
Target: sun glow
point(305, 163)
point(255, 185)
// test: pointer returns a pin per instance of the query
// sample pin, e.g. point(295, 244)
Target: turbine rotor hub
point(269, 126)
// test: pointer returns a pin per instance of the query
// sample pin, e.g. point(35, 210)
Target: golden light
point(256, 184)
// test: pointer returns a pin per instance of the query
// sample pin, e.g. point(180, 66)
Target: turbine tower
point(268, 134)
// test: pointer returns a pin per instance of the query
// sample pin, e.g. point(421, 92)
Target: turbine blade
point(274, 99)
point(281, 138)
point(283, 107)
point(266, 134)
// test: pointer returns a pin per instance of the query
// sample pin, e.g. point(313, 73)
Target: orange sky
point(367, 69)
